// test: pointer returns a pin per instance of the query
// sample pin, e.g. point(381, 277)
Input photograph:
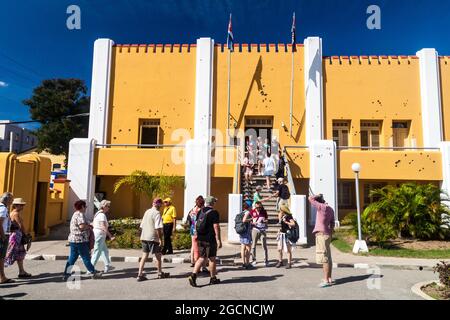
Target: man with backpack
point(282, 193)
point(323, 231)
point(209, 240)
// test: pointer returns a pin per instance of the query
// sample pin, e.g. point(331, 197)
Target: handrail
point(237, 172)
point(289, 174)
point(295, 147)
point(141, 145)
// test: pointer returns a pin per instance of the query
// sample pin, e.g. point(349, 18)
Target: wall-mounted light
point(283, 125)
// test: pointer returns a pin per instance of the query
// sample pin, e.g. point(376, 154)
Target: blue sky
point(35, 43)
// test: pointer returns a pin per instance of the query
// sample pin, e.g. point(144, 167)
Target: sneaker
point(254, 263)
point(266, 264)
point(108, 269)
point(96, 275)
point(163, 275)
point(289, 266)
point(279, 264)
point(249, 267)
point(214, 280)
point(193, 280)
point(88, 273)
point(65, 277)
point(141, 278)
point(205, 270)
point(324, 284)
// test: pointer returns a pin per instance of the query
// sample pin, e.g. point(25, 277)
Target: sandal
point(7, 281)
point(24, 275)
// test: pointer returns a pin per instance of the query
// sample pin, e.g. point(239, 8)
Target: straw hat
point(285, 209)
point(19, 201)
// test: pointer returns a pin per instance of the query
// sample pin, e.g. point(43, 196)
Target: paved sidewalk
point(230, 255)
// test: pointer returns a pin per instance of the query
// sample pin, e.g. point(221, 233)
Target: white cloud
point(3, 84)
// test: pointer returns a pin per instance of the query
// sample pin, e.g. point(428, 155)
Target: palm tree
point(410, 210)
point(152, 186)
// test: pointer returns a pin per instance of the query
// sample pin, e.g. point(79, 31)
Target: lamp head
point(356, 167)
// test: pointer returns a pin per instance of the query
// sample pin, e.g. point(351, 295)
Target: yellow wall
point(151, 85)
point(260, 86)
point(361, 91)
point(121, 161)
point(221, 188)
point(25, 176)
point(391, 165)
point(445, 91)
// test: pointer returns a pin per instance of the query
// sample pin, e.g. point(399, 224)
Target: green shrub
point(351, 219)
point(181, 240)
point(411, 210)
point(127, 239)
point(443, 269)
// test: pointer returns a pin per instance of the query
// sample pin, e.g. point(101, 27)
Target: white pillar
point(101, 80)
point(81, 174)
point(313, 89)
point(198, 166)
point(234, 208)
point(430, 91)
point(323, 174)
point(196, 177)
point(298, 209)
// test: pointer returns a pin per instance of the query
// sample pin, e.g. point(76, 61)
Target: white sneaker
point(254, 262)
point(88, 273)
point(108, 269)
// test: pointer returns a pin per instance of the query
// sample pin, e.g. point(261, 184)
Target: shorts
point(268, 173)
point(280, 202)
point(323, 252)
point(4, 247)
point(207, 249)
point(151, 247)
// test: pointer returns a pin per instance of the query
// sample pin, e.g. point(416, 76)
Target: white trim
point(81, 174)
point(430, 90)
point(234, 208)
point(298, 209)
point(313, 89)
point(101, 80)
point(198, 151)
point(323, 174)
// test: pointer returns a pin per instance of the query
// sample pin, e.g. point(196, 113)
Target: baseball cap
point(157, 201)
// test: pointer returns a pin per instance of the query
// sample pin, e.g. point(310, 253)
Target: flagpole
point(292, 75)
point(229, 84)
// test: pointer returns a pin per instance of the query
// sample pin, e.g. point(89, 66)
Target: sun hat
point(210, 199)
point(167, 200)
point(258, 188)
point(19, 201)
point(157, 201)
point(280, 180)
point(285, 209)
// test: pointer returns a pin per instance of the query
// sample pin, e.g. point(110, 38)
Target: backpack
point(200, 224)
point(240, 227)
point(293, 234)
point(285, 194)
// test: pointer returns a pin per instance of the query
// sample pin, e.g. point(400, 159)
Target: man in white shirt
point(5, 201)
point(151, 239)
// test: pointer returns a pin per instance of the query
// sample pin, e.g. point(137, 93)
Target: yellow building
point(386, 112)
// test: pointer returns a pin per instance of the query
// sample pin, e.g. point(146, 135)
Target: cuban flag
point(230, 38)
point(293, 42)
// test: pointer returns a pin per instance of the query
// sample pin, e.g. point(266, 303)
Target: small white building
point(23, 139)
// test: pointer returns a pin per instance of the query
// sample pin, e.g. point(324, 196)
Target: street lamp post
point(360, 245)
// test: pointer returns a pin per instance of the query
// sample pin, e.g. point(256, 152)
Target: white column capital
point(430, 91)
point(313, 89)
point(100, 90)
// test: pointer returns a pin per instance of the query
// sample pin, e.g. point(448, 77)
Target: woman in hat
point(18, 238)
point(101, 232)
point(287, 222)
point(169, 217)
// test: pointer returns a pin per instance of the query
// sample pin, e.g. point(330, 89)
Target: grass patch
point(343, 241)
point(436, 292)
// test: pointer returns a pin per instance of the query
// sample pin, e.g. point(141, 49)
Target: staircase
point(269, 205)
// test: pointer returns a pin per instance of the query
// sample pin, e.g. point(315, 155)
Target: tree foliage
point(159, 185)
point(410, 210)
point(51, 104)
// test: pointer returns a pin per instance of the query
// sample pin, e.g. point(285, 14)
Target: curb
point(418, 291)
point(237, 262)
